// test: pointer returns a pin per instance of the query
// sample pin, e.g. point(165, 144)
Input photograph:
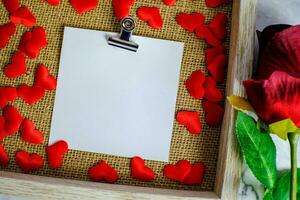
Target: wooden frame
point(229, 162)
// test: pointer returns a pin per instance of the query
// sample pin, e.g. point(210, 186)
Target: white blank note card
point(114, 101)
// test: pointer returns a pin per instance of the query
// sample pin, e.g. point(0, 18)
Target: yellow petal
point(282, 128)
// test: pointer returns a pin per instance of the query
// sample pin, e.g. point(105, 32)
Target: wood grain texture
point(229, 164)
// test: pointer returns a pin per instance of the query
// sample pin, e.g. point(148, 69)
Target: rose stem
point(293, 139)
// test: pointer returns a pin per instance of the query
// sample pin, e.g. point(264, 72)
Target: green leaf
point(268, 195)
point(258, 150)
point(282, 186)
point(282, 128)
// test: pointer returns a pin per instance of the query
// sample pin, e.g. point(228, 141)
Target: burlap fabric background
point(76, 163)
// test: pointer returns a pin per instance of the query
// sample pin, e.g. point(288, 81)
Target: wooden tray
point(228, 168)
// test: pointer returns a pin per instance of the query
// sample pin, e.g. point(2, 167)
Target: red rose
point(274, 91)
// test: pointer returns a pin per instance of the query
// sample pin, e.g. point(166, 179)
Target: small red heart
point(190, 120)
point(179, 171)
point(169, 2)
point(3, 132)
point(215, 3)
point(6, 31)
point(23, 16)
point(151, 16)
point(212, 93)
point(28, 162)
point(218, 25)
point(12, 118)
point(196, 175)
point(17, 66)
point(195, 84)
point(56, 152)
point(30, 94)
point(190, 21)
point(7, 94)
point(204, 32)
point(53, 2)
point(29, 133)
point(32, 42)
point(82, 6)
point(103, 172)
point(140, 171)
point(217, 68)
point(4, 159)
point(11, 5)
point(43, 78)
point(212, 53)
point(122, 7)
point(214, 113)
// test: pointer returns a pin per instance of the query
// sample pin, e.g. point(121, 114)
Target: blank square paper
point(114, 101)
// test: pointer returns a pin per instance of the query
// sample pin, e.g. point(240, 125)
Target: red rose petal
point(29, 133)
point(6, 31)
point(30, 94)
point(195, 84)
point(122, 7)
point(82, 6)
point(17, 66)
point(190, 120)
point(28, 162)
point(218, 25)
point(140, 171)
point(212, 93)
point(53, 2)
point(204, 32)
point(217, 68)
point(4, 159)
point(169, 2)
point(214, 113)
point(23, 16)
point(43, 78)
point(103, 172)
point(179, 171)
point(151, 16)
point(7, 94)
point(11, 5)
point(12, 119)
point(196, 175)
point(190, 21)
point(56, 152)
point(212, 53)
point(215, 3)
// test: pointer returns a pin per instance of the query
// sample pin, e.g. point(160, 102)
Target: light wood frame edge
point(229, 162)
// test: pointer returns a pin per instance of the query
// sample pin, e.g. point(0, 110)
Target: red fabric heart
point(82, 6)
point(28, 162)
point(3, 132)
point(56, 152)
point(217, 68)
point(169, 2)
point(103, 172)
point(6, 31)
point(215, 3)
point(140, 171)
point(29, 133)
point(17, 66)
point(30, 94)
point(23, 16)
point(4, 159)
point(196, 175)
point(53, 2)
point(212, 93)
point(12, 119)
point(195, 84)
point(218, 25)
point(7, 94)
point(204, 32)
point(214, 113)
point(190, 120)
point(179, 171)
point(122, 7)
point(43, 78)
point(32, 42)
point(151, 16)
point(11, 5)
point(190, 21)
point(212, 53)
